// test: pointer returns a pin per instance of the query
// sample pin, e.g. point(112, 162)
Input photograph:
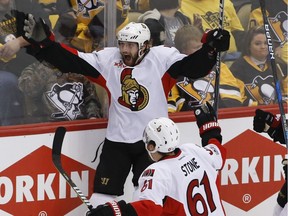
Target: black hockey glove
point(282, 195)
point(219, 39)
point(285, 167)
point(207, 122)
point(113, 208)
point(267, 122)
point(37, 33)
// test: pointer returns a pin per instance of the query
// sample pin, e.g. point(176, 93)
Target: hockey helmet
point(164, 133)
point(134, 32)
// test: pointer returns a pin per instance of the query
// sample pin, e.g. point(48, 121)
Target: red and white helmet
point(134, 32)
point(164, 132)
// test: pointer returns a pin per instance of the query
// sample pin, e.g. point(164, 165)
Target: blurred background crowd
point(32, 91)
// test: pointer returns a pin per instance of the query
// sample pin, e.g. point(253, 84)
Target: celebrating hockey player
point(138, 79)
point(184, 176)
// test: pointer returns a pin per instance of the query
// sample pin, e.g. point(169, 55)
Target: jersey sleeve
point(166, 56)
point(229, 86)
point(154, 184)
point(67, 60)
point(201, 62)
point(235, 21)
point(146, 207)
point(255, 18)
point(175, 102)
point(217, 152)
point(101, 60)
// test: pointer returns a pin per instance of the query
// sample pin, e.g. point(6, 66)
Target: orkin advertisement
point(31, 185)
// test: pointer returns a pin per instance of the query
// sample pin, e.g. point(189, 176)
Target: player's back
point(189, 182)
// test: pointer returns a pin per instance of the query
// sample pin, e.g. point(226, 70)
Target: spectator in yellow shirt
point(209, 12)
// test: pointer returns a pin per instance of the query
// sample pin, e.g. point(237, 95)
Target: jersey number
point(193, 200)
point(147, 184)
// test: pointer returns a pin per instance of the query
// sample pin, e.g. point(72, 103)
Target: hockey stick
point(56, 158)
point(274, 70)
point(218, 61)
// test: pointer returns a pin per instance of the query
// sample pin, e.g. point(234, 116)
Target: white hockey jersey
point(138, 94)
point(187, 181)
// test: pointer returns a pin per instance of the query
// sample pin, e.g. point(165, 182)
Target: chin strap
point(141, 55)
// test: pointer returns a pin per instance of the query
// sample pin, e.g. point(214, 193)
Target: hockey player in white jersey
point(137, 77)
point(184, 176)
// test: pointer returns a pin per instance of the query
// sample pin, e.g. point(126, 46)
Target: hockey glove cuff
point(210, 130)
point(282, 195)
point(219, 39)
point(207, 123)
point(113, 208)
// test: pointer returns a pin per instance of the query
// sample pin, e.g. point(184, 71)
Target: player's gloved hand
point(267, 122)
point(112, 209)
point(207, 122)
point(219, 39)
point(36, 33)
point(263, 120)
point(101, 210)
point(285, 167)
point(282, 195)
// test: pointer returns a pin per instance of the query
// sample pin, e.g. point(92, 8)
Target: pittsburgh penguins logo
point(8, 29)
point(279, 25)
point(67, 99)
point(200, 90)
point(212, 19)
point(262, 89)
point(86, 6)
point(134, 96)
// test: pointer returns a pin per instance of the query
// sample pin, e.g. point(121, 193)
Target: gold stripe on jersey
point(259, 84)
point(199, 91)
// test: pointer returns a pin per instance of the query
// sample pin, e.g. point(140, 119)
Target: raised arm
point(39, 41)
point(203, 60)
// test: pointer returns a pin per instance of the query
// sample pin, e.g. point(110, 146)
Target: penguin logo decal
point(201, 89)
point(212, 19)
point(262, 89)
point(85, 6)
point(67, 99)
point(279, 25)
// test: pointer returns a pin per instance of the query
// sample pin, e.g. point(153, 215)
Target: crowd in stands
point(35, 92)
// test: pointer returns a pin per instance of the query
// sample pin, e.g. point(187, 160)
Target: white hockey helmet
point(134, 32)
point(165, 134)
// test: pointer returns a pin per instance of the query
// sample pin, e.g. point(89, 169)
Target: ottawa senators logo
point(134, 96)
point(279, 25)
